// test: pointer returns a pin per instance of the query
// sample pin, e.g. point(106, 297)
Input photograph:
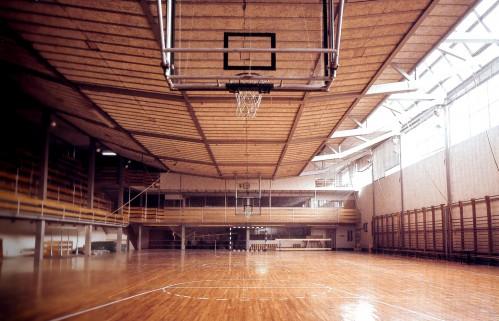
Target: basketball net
point(247, 103)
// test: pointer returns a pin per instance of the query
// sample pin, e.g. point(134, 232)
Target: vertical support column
point(374, 234)
point(121, 183)
point(401, 231)
point(409, 229)
point(444, 236)
point(475, 233)
point(424, 228)
point(381, 218)
point(139, 238)
point(44, 156)
point(461, 222)
point(433, 227)
point(489, 225)
point(39, 238)
point(88, 240)
point(248, 238)
point(119, 239)
point(91, 174)
point(182, 240)
point(416, 227)
point(447, 245)
point(393, 230)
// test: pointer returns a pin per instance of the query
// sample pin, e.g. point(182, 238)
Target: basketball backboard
point(273, 46)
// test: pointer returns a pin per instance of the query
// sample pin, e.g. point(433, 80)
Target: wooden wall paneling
point(461, 223)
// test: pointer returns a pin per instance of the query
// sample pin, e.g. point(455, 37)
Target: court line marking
point(97, 307)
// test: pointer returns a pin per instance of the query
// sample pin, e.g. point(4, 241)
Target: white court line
point(97, 307)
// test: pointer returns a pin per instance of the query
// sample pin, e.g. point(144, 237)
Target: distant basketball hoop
point(248, 93)
point(248, 200)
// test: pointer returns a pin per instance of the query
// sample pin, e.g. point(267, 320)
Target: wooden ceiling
point(97, 65)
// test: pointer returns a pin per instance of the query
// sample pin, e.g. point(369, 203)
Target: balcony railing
point(227, 215)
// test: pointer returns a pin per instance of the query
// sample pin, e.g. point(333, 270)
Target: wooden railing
point(27, 206)
point(470, 227)
point(227, 215)
point(21, 183)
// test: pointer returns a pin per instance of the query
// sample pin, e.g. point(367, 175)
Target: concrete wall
point(18, 237)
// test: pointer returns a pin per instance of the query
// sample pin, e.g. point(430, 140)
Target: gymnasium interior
point(249, 160)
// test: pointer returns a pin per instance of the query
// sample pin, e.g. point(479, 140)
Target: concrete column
point(182, 239)
point(248, 230)
point(91, 174)
point(119, 239)
point(88, 240)
point(139, 239)
point(39, 238)
point(44, 156)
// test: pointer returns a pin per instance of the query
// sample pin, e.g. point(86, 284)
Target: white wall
point(365, 206)
point(425, 182)
point(473, 172)
point(387, 194)
point(341, 237)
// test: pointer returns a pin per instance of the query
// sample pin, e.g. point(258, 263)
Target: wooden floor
point(204, 285)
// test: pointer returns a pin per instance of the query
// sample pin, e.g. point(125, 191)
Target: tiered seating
point(23, 178)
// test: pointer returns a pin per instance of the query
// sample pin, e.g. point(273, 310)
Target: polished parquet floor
point(208, 285)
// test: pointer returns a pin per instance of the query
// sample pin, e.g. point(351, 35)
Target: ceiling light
point(108, 153)
point(53, 123)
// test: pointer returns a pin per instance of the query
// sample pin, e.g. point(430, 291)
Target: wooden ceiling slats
point(111, 45)
point(174, 148)
point(105, 133)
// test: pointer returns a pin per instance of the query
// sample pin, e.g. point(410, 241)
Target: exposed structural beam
point(63, 80)
point(355, 149)
point(393, 88)
point(344, 162)
point(353, 132)
point(386, 63)
point(473, 37)
point(402, 72)
point(195, 120)
point(438, 99)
